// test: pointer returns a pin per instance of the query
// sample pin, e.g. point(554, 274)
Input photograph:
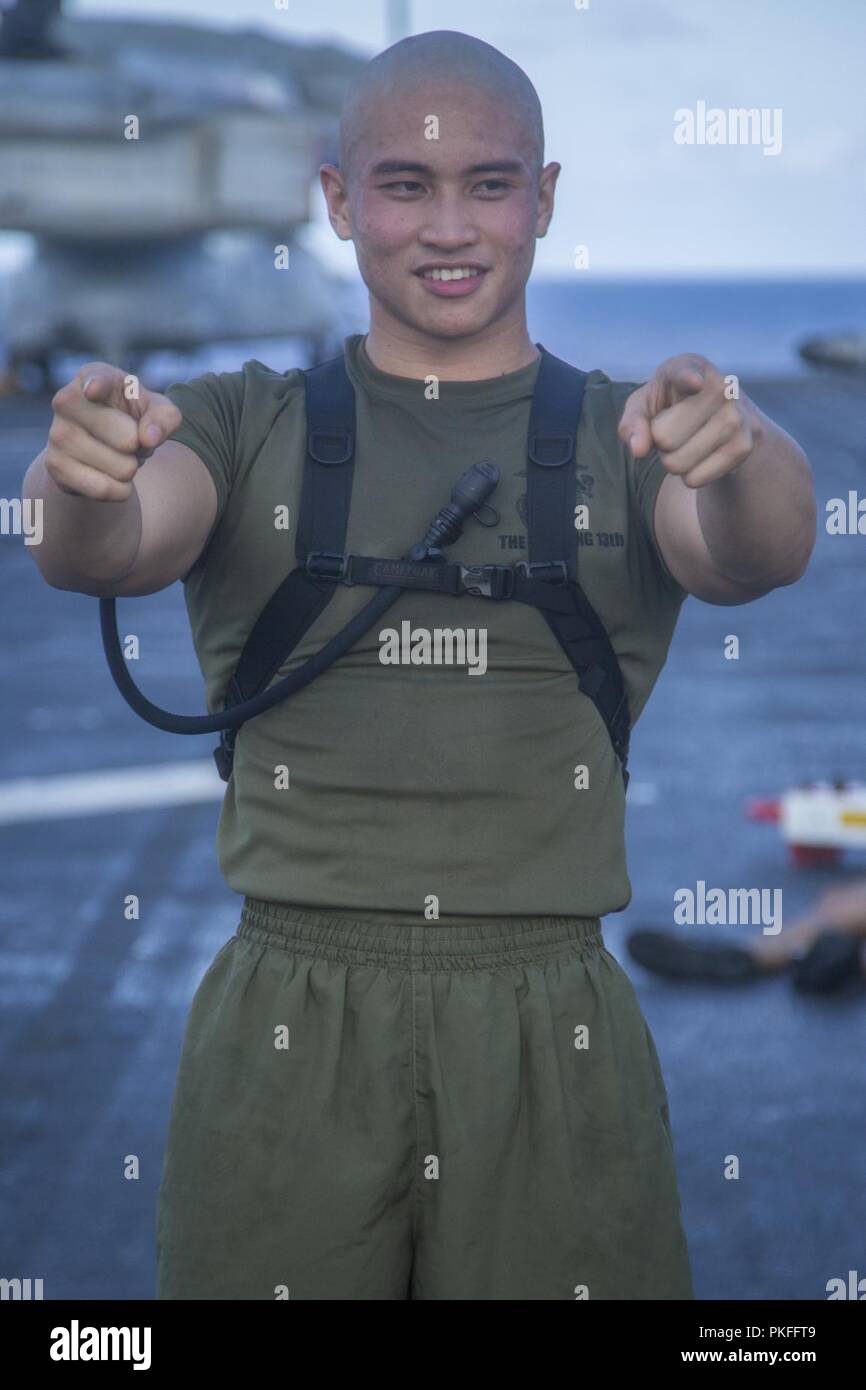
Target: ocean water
point(626, 328)
point(751, 327)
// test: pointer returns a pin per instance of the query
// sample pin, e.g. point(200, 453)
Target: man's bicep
point(685, 552)
point(179, 504)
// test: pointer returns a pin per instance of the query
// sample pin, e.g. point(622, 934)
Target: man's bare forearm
point(759, 521)
point(84, 541)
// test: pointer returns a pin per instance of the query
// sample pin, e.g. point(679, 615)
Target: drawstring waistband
point(373, 940)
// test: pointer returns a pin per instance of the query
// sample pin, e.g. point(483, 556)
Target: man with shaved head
point(447, 107)
point(433, 59)
point(415, 1071)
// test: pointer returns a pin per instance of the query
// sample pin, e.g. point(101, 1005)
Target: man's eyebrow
point(408, 166)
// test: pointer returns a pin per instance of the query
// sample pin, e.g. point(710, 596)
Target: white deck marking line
point(118, 789)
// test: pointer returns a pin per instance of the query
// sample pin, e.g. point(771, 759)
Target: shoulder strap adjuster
point(551, 450)
point(331, 446)
point(530, 570)
point(326, 564)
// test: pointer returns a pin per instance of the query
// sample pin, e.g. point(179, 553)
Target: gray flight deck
point(92, 1006)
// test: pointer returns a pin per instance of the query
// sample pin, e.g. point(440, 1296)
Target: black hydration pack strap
point(326, 493)
point(548, 581)
point(551, 502)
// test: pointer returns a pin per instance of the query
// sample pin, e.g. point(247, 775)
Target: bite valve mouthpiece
point(468, 498)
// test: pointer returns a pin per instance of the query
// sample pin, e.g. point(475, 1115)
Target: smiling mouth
point(446, 273)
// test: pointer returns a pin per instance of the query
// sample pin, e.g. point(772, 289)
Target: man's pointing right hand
point(105, 424)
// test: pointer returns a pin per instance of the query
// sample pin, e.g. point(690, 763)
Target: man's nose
point(449, 224)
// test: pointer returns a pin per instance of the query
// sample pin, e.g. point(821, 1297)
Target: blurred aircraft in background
point(160, 168)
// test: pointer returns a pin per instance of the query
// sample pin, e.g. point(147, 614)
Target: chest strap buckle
point(490, 581)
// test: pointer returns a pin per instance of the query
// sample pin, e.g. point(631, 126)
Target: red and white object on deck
point(818, 821)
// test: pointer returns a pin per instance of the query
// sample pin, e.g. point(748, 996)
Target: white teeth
point(458, 273)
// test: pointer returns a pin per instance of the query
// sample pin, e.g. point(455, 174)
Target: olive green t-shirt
point(383, 787)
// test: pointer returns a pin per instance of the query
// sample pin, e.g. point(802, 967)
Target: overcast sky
point(610, 78)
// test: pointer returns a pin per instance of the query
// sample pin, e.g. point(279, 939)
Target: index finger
point(693, 403)
point(100, 381)
point(686, 379)
point(106, 421)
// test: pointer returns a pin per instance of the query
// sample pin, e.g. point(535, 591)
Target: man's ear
point(546, 186)
point(334, 188)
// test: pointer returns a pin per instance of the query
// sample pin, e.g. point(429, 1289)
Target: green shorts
point(372, 1110)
